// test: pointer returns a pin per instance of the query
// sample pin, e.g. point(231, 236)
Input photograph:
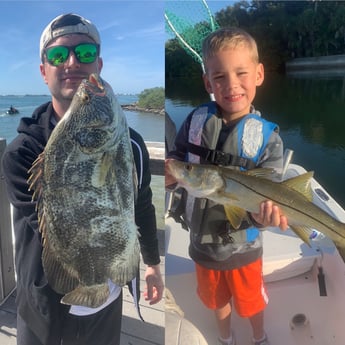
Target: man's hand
point(270, 215)
point(154, 284)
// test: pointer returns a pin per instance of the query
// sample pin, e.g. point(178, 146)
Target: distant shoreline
point(135, 107)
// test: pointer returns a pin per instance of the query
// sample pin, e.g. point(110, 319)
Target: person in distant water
point(230, 132)
point(69, 51)
point(12, 110)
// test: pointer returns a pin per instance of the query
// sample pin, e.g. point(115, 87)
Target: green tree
point(152, 98)
point(282, 29)
point(180, 64)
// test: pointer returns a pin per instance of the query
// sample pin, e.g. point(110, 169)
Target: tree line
point(152, 98)
point(283, 30)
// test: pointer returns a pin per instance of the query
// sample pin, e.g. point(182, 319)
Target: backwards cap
point(67, 24)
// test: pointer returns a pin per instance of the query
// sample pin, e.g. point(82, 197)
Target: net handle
point(186, 45)
point(213, 24)
point(184, 42)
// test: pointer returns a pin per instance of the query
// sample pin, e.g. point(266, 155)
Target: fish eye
point(189, 167)
point(85, 98)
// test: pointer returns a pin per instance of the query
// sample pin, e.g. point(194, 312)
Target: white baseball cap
point(67, 24)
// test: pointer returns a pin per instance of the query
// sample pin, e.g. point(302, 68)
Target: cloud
point(18, 65)
point(109, 25)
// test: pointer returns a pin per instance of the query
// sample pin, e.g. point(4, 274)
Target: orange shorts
point(244, 285)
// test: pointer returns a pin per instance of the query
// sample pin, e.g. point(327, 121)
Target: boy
point(230, 131)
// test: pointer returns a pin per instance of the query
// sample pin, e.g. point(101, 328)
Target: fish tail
point(87, 296)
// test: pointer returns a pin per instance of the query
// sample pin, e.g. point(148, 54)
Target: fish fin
point(87, 296)
point(266, 173)
point(102, 169)
point(301, 184)
point(121, 274)
point(35, 180)
point(228, 195)
point(303, 232)
point(59, 278)
point(124, 271)
point(235, 215)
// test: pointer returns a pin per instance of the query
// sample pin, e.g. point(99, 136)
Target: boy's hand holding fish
point(270, 215)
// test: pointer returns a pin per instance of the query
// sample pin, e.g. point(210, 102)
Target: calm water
point(310, 113)
point(150, 126)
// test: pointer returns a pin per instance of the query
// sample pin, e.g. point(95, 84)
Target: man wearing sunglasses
point(69, 51)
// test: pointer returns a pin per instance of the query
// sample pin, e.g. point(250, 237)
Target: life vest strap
point(218, 157)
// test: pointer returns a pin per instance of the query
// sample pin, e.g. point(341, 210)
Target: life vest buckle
point(218, 157)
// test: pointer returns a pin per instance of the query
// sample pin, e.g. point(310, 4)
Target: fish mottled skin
point(245, 191)
point(85, 185)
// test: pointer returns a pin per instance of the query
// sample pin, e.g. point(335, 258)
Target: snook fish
point(85, 183)
point(240, 192)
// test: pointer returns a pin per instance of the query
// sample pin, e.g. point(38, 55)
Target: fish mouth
point(95, 85)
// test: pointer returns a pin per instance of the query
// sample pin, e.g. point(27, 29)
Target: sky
point(132, 48)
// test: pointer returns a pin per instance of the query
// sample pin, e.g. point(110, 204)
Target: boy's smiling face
point(232, 75)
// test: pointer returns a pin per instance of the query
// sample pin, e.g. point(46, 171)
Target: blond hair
point(230, 37)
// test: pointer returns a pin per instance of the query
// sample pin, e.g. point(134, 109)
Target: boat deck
point(134, 331)
point(299, 311)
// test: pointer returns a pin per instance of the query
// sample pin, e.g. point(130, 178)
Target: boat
point(12, 111)
point(305, 286)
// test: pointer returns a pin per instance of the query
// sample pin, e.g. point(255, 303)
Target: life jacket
point(211, 232)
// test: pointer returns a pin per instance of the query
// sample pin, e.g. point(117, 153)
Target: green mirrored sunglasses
point(84, 53)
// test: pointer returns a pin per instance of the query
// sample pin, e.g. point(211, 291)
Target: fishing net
point(190, 22)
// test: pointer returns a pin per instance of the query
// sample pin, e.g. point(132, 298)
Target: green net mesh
point(190, 22)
